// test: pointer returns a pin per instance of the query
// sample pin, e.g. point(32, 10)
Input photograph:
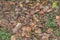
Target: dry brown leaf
point(37, 31)
point(23, 28)
point(35, 19)
point(45, 1)
point(18, 34)
point(37, 4)
point(23, 34)
point(7, 4)
point(41, 12)
point(11, 3)
point(45, 36)
point(32, 24)
point(14, 23)
point(27, 35)
point(13, 37)
point(57, 17)
point(21, 5)
point(49, 30)
point(17, 27)
point(36, 11)
point(49, 10)
point(27, 1)
point(28, 29)
point(58, 23)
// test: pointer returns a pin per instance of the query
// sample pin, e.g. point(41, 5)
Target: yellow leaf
point(54, 4)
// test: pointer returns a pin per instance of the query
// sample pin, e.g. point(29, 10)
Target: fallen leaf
point(35, 18)
point(21, 5)
point(45, 1)
point(17, 27)
point(49, 30)
point(27, 35)
point(41, 12)
point(23, 28)
point(54, 4)
point(32, 24)
point(45, 36)
point(57, 17)
point(23, 34)
point(49, 10)
point(11, 3)
point(58, 23)
point(13, 37)
point(28, 29)
point(27, 1)
point(37, 4)
point(37, 31)
point(14, 23)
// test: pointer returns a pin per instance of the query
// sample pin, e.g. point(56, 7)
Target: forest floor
point(29, 19)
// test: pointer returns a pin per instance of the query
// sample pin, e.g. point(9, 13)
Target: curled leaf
point(21, 5)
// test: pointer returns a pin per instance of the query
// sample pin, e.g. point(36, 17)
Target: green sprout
point(4, 35)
